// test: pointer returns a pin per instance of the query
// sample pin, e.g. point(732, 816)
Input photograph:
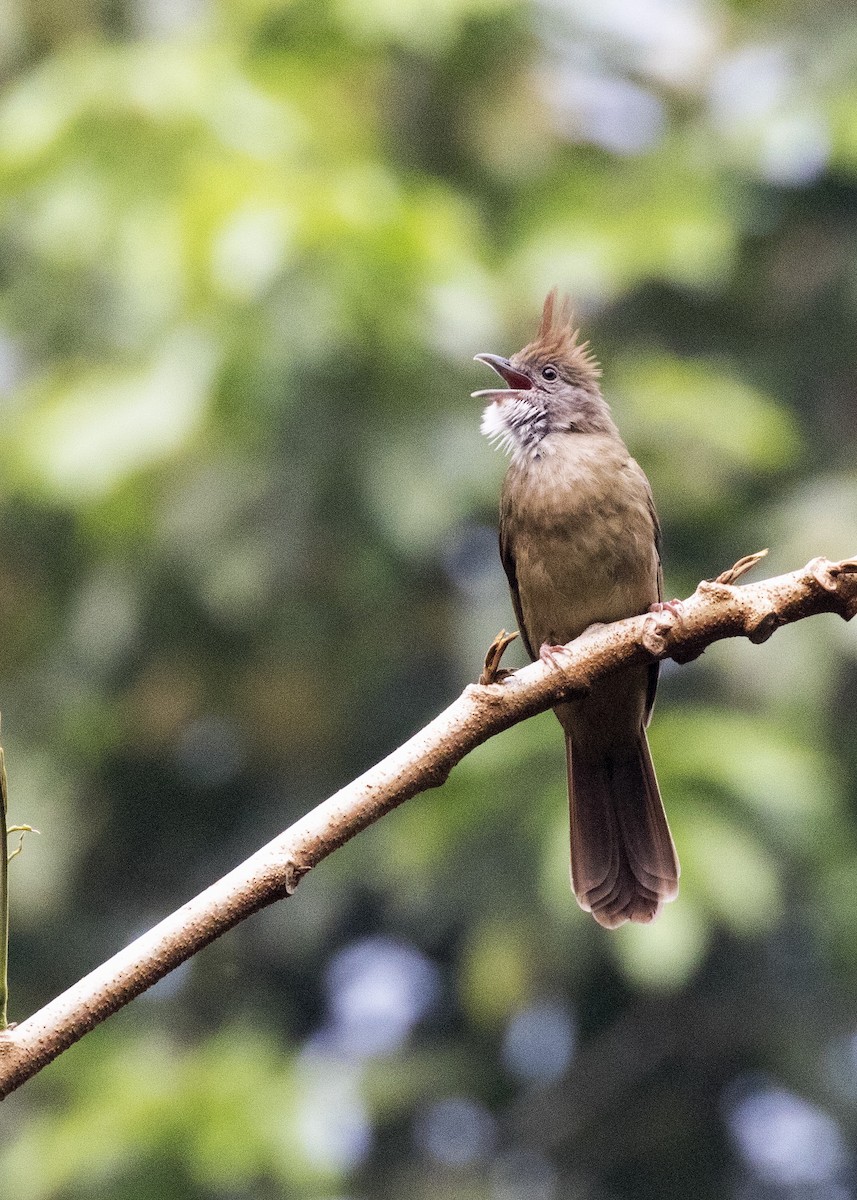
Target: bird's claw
point(676, 607)
point(554, 656)
point(492, 672)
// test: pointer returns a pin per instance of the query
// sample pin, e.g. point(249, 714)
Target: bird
point(580, 545)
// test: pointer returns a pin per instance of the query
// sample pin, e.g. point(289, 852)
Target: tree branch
point(717, 609)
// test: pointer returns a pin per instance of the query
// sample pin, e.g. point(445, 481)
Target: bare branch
point(717, 609)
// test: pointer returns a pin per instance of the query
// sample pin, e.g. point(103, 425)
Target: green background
point(247, 546)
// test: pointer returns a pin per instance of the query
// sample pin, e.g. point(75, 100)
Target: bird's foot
point(492, 672)
point(554, 656)
point(676, 607)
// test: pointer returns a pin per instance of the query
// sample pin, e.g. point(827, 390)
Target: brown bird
point(579, 543)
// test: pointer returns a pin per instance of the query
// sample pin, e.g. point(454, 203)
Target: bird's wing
point(656, 666)
point(507, 558)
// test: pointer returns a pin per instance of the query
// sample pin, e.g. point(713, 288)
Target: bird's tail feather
point(623, 861)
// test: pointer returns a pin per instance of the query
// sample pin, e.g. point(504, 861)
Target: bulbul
point(579, 542)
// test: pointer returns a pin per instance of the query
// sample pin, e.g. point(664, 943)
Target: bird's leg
point(492, 671)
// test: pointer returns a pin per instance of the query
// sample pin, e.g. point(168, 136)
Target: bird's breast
point(578, 523)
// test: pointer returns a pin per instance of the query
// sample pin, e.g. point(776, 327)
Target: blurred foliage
point(247, 546)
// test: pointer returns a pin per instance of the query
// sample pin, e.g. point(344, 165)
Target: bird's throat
point(516, 425)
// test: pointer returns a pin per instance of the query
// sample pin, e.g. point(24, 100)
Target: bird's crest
point(557, 339)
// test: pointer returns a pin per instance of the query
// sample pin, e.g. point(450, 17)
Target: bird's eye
point(549, 373)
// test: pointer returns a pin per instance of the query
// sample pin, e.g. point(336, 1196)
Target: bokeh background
point(247, 546)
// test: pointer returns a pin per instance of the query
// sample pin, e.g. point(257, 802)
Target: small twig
point(741, 567)
point(717, 609)
point(23, 830)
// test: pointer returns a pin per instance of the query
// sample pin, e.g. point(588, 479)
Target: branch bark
point(717, 609)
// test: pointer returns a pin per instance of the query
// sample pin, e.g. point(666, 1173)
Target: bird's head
point(552, 387)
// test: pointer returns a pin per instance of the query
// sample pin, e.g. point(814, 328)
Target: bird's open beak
point(516, 379)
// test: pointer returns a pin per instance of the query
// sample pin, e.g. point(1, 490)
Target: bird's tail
point(623, 861)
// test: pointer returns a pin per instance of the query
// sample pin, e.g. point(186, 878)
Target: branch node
point(848, 566)
point(824, 572)
point(687, 654)
point(760, 630)
point(294, 873)
point(847, 594)
point(656, 631)
point(827, 575)
point(847, 602)
point(717, 589)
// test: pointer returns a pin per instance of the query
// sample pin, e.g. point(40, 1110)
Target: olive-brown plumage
point(579, 543)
